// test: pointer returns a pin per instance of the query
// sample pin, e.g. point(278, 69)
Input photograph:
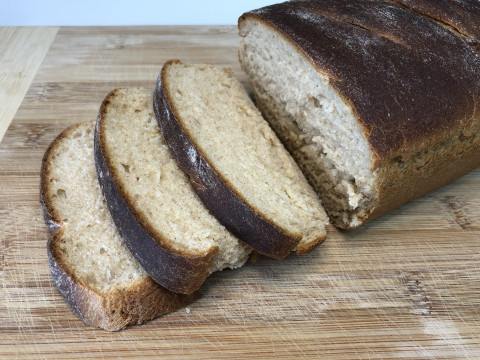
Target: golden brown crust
point(304, 249)
point(177, 270)
point(113, 311)
point(412, 83)
point(216, 193)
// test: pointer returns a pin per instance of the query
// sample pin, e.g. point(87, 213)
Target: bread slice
point(377, 103)
point(163, 222)
point(236, 164)
point(90, 265)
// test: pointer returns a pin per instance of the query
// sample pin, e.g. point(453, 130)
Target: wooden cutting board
point(404, 286)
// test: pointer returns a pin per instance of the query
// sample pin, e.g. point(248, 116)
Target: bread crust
point(139, 303)
point(176, 270)
point(412, 84)
point(214, 190)
point(461, 16)
point(423, 100)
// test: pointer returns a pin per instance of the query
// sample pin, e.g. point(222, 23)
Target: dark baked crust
point(178, 271)
point(402, 69)
point(142, 302)
point(460, 15)
point(412, 83)
point(225, 204)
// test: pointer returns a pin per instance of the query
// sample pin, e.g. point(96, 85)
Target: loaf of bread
point(378, 102)
point(236, 164)
point(92, 268)
point(161, 219)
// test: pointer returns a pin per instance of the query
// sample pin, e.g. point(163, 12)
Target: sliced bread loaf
point(379, 103)
point(236, 164)
point(92, 268)
point(161, 219)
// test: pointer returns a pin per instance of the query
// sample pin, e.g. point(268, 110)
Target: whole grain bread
point(378, 102)
point(162, 221)
point(92, 268)
point(236, 164)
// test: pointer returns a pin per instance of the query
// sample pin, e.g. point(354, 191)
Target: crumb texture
point(356, 90)
point(225, 126)
point(155, 186)
point(91, 244)
point(91, 266)
point(304, 110)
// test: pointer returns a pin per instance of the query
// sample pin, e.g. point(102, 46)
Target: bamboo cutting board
point(404, 286)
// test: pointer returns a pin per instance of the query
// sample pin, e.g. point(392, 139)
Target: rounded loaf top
point(413, 82)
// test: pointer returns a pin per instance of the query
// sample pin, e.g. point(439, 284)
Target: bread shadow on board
point(270, 271)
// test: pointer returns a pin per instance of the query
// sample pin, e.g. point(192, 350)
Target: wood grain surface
point(22, 50)
point(404, 286)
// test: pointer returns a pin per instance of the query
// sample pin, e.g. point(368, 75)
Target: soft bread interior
point(155, 186)
point(91, 245)
point(313, 122)
point(222, 121)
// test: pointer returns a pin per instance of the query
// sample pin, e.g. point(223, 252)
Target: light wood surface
point(404, 286)
point(21, 52)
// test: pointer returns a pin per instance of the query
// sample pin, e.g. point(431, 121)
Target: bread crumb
point(157, 186)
